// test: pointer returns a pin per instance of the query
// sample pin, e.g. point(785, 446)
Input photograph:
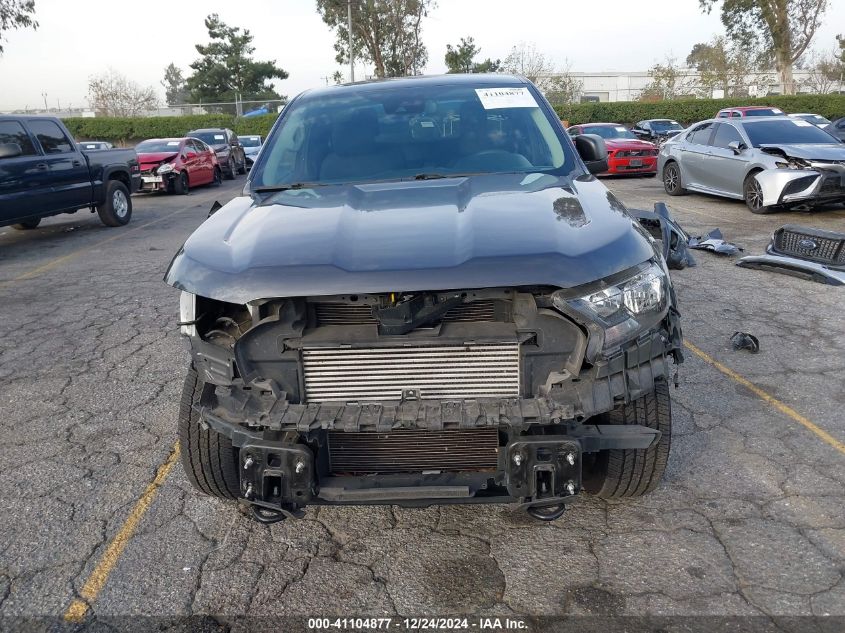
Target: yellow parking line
point(97, 579)
point(788, 411)
point(65, 258)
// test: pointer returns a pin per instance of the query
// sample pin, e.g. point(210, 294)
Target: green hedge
point(126, 131)
point(690, 111)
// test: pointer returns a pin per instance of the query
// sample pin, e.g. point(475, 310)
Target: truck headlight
point(164, 169)
point(623, 308)
point(188, 314)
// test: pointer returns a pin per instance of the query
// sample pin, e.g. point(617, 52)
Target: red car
point(175, 165)
point(626, 154)
point(744, 111)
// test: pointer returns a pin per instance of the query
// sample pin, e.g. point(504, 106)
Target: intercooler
point(413, 451)
point(425, 372)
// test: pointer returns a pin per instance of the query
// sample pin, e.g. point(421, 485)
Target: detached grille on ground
point(431, 372)
point(413, 451)
point(822, 246)
point(361, 314)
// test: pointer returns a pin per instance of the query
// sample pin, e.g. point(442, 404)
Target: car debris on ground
point(714, 242)
point(664, 228)
point(804, 252)
point(744, 340)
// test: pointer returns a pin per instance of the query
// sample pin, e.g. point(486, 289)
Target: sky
point(80, 38)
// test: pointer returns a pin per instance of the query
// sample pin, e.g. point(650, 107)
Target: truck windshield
point(786, 131)
point(410, 131)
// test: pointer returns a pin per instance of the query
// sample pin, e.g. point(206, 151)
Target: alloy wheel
point(120, 204)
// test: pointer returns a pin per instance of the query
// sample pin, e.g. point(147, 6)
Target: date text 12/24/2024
point(417, 624)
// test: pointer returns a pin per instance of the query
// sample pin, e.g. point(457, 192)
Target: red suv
point(175, 165)
point(736, 113)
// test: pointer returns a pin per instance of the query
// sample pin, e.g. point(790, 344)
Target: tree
point(461, 59)
point(16, 14)
point(226, 71)
point(723, 65)
point(112, 94)
point(668, 81)
point(824, 72)
point(558, 84)
point(785, 26)
point(525, 60)
point(175, 89)
point(385, 33)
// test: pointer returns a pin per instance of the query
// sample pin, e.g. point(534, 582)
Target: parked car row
point(201, 157)
point(758, 154)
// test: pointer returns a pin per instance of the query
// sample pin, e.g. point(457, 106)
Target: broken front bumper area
point(539, 472)
point(822, 183)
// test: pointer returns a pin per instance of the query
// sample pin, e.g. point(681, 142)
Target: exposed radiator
point(413, 451)
point(433, 372)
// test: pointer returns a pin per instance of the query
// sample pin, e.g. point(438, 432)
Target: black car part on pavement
point(662, 226)
point(744, 340)
point(804, 252)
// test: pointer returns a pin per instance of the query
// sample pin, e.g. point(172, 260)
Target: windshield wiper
point(293, 185)
point(430, 176)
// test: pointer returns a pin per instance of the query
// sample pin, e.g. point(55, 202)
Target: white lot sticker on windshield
point(621, 129)
point(495, 98)
point(172, 143)
point(219, 137)
point(801, 123)
point(674, 122)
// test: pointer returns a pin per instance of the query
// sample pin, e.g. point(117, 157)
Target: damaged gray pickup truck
point(424, 296)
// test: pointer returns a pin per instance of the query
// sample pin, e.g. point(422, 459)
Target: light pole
point(44, 95)
point(351, 52)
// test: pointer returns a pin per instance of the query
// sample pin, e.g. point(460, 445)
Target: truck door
point(25, 189)
point(69, 173)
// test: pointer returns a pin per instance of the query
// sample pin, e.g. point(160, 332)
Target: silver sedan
point(770, 162)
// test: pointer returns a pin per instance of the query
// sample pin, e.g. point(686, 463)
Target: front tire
point(218, 177)
point(209, 459)
point(752, 193)
point(242, 168)
point(632, 473)
point(116, 209)
point(27, 225)
point(672, 179)
point(229, 172)
point(181, 185)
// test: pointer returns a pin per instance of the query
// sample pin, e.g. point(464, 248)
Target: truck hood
point(812, 151)
point(456, 233)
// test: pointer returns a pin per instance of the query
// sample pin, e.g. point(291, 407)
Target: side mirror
point(737, 146)
point(593, 152)
point(10, 150)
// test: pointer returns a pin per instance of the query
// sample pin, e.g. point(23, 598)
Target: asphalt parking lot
point(750, 519)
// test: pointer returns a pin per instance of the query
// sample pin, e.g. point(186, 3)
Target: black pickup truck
point(44, 173)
